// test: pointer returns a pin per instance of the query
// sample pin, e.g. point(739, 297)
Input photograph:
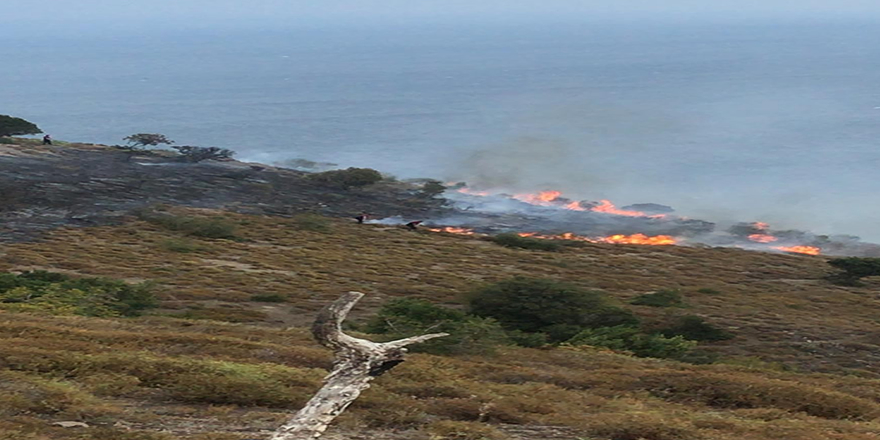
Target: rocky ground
point(44, 187)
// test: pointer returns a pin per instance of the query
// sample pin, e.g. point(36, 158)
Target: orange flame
point(544, 198)
point(575, 206)
point(656, 240)
point(472, 192)
point(453, 230)
point(761, 225)
point(809, 250)
point(763, 238)
point(608, 208)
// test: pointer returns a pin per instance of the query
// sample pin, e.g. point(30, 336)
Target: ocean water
point(728, 121)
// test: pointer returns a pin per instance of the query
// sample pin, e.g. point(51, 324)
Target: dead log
point(357, 362)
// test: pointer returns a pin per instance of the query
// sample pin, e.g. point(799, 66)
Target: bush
point(269, 297)
point(697, 329)
point(205, 227)
point(348, 178)
point(536, 305)
point(853, 270)
point(404, 317)
point(56, 293)
point(432, 188)
point(197, 154)
point(625, 338)
point(22, 394)
point(512, 240)
point(12, 126)
point(660, 298)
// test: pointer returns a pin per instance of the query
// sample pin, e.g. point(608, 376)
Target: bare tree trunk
point(357, 362)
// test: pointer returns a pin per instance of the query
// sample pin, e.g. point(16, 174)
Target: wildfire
point(762, 238)
point(608, 208)
point(554, 198)
point(453, 230)
point(543, 198)
point(471, 192)
point(656, 240)
point(809, 250)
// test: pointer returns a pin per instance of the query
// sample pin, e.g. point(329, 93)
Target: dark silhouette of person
point(363, 216)
point(413, 225)
point(47, 140)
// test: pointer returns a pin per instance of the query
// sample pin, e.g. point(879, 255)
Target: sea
point(773, 121)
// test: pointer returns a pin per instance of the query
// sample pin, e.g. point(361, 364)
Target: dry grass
point(209, 379)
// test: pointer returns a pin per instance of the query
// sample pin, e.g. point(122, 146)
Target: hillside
point(213, 363)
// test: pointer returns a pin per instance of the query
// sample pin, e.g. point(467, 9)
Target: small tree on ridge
point(141, 140)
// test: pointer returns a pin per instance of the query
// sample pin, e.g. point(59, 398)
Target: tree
point(140, 140)
point(11, 126)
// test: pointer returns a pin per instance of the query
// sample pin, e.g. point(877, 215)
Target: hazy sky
point(41, 16)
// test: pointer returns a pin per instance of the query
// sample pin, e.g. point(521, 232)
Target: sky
point(90, 16)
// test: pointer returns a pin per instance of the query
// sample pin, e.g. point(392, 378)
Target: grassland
point(213, 363)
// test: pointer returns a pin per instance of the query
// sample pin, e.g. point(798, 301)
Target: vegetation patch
point(405, 317)
point(660, 298)
point(697, 329)
point(348, 178)
point(630, 339)
point(513, 240)
point(59, 294)
point(203, 227)
point(312, 222)
point(853, 269)
point(556, 309)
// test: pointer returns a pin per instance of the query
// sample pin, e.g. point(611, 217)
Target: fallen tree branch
point(357, 362)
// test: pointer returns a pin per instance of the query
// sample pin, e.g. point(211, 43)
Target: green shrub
point(206, 227)
point(853, 269)
point(709, 291)
point(660, 298)
point(626, 338)
point(536, 305)
point(269, 297)
point(432, 188)
point(404, 317)
point(348, 178)
point(513, 240)
point(22, 393)
point(697, 329)
point(56, 293)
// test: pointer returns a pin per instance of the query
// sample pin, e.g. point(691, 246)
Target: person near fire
point(414, 225)
point(362, 217)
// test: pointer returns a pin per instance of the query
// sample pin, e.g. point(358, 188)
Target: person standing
point(47, 140)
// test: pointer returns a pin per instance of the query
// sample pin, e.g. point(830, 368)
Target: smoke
point(524, 165)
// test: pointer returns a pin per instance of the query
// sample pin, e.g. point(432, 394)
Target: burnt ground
point(45, 187)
